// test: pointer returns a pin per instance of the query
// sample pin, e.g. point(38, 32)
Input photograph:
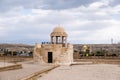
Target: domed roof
point(58, 29)
point(85, 46)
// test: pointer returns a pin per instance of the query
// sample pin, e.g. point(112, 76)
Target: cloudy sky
point(85, 21)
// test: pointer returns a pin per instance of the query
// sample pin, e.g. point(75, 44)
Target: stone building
point(58, 51)
point(103, 50)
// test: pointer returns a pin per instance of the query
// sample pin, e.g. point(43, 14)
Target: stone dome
point(85, 47)
point(58, 29)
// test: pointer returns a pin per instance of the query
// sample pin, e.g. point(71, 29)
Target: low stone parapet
point(97, 61)
point(11, 67)
point(81, 63)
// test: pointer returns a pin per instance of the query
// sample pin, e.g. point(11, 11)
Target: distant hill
point(16, 47)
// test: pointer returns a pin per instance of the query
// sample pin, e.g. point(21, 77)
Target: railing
point(51, 43)
point(45, 42)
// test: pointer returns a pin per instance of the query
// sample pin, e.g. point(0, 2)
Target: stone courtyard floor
point(3, 64)
point(84, 72)
point(28, 68)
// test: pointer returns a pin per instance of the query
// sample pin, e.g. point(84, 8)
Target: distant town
point(80, 50)
point(96, 50)
point(16, 50)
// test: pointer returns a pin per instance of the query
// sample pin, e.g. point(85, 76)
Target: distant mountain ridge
point(5, 45)
point(17, 47)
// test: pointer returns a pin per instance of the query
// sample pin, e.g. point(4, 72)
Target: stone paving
point(84, 72)
point(28, 68)
point(3, 64)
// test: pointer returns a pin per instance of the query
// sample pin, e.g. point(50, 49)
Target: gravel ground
point(84, 72)
point(28, 68)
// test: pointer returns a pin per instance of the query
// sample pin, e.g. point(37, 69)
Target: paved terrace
point(3, 64)
point(84, 72)
point(28, 68)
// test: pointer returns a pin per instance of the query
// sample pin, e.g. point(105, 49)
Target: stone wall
point(61, 55)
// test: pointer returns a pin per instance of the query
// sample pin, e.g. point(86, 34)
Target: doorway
point(50, 57)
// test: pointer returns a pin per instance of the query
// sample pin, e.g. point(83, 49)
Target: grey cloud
point(26, 30)
point(94, 26)
point(115, 2)
point(65, 4)
point(6, 5)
